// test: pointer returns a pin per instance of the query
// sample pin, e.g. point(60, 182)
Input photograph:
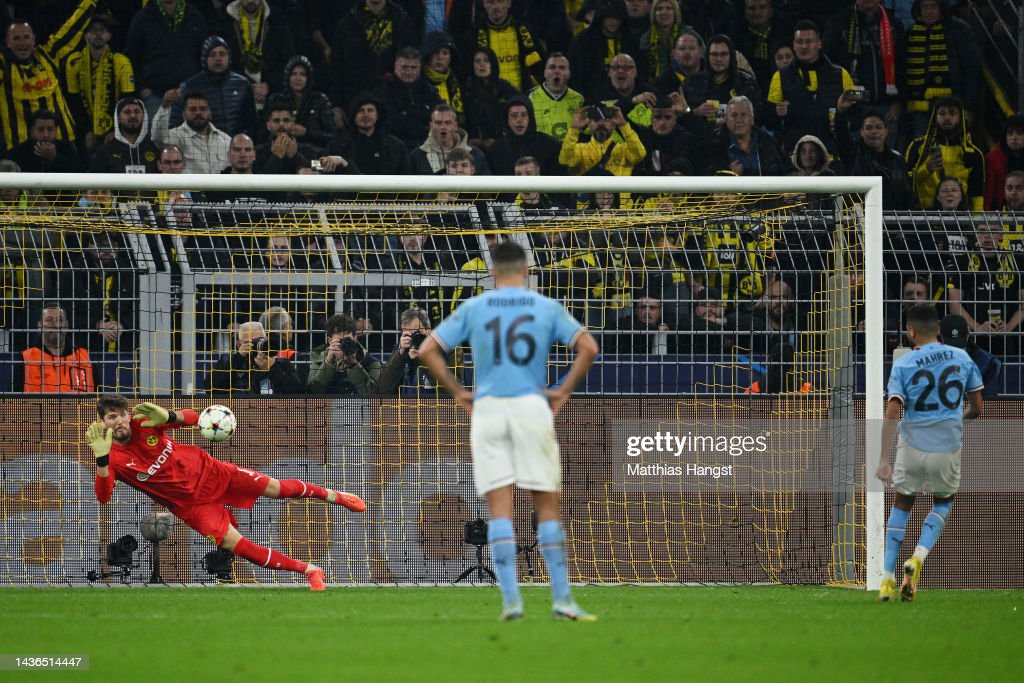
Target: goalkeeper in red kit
point(137, 449)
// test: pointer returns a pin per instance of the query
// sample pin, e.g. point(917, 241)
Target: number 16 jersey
point(511, 331)
point(931, 382)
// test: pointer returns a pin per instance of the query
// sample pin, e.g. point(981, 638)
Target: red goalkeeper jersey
point(174, 474)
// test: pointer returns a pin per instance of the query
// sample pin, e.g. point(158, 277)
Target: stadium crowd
point(524, 87)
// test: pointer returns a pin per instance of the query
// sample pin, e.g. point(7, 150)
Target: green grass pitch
point(452, 634)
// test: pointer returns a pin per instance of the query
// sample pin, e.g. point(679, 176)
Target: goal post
point(809, 503)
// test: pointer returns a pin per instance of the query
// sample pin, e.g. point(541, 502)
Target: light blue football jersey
point(511, 331)
point(932, 381)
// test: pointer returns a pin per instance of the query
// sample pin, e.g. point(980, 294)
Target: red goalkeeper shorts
point(238, 488)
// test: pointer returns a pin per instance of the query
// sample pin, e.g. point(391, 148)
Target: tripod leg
point(464, 575)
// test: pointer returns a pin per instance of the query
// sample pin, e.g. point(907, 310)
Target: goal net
point(715, 440)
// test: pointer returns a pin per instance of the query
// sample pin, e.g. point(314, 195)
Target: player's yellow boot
point(888, 590)
point(911, 575)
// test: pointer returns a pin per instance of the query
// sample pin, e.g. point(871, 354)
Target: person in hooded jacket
point(131, 150)
point(262, 42)
point(521, 139)
point(365, 143)
point(592, 50)
point(1007, 156)
point(439, 57)
point(314, 118)
point(946, 149)
point(486, 95)
point(232, 107)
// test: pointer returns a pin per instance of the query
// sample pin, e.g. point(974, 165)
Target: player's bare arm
point(586, 350)
point(431, 356)
point(893, 411)
point(975, 405)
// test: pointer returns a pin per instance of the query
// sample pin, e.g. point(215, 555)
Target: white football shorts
point(513, 441)
point(918, 471)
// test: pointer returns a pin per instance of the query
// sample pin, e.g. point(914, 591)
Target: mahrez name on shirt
point(934, 357)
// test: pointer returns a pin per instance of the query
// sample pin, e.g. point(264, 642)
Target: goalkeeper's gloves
point(100, 439)
point(153, 414)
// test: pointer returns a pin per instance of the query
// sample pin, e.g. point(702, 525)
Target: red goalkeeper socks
point(296, 488)
point(266, 557)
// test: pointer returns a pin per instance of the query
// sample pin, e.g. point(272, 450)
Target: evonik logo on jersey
point(160, 460)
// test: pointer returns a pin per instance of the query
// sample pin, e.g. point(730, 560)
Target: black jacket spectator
point(589, 52)
point(677, 150)
point(373, 151)
point(363, 52)
point(510, 146)
point(859, 159)
point(163, 56)
point(855, 42)
point(263, 60)
point(485, 99)
point(408, 108)
point(704, 86)
point(808, 110)
point(66, 161)
point(232, 108)
point(312, 109)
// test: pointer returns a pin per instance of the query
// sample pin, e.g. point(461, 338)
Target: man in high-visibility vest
point(53, 365)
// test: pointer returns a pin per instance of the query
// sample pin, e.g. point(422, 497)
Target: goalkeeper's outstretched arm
point(100, 439)
point(153, 415)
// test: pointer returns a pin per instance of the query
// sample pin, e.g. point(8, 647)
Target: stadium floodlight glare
point(182, 313)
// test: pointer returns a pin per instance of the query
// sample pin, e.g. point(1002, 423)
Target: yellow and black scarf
point(252, 41)
point(659, 50)
point(95, 81)
point(448, 88)
point(379, 31)
point(927, 62)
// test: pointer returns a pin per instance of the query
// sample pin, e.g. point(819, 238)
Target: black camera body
point(475, 532)
point(261, 345)
point(417, 338)
point(350, 347)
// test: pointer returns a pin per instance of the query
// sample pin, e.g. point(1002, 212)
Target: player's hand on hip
point(556, 399)
point(99, 438)
point(153, 414)
point(884, 472)
point(465, 399)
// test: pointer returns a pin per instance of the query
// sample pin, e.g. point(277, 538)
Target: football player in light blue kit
point(511, 331)
point(929, 383)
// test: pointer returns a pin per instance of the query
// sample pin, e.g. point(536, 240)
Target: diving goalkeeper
point(137, 449)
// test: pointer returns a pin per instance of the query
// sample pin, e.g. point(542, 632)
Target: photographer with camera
point(255, 367)
point(342, 365)
point(613, 144)
point(403, 373)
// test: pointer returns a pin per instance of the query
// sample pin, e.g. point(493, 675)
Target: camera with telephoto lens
point(350, 347)
point(417, 338)
point(260, 345)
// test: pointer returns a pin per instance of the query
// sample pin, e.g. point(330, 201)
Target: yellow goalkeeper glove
point(99, 439)
point(152, 413)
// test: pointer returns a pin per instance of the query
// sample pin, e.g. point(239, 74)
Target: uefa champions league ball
point(217, 423)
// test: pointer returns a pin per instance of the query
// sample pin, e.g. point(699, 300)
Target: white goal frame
point(870, 187)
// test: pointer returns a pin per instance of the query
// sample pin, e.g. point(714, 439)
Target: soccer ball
point(217, 423)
